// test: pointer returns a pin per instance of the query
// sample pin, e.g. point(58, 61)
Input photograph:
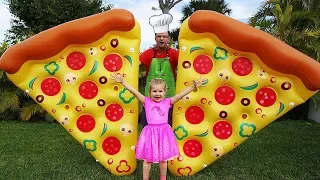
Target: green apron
point(161, 68)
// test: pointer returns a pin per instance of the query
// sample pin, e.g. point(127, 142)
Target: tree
point(297, 23)
point(310, 5)
point(34, 16)
point(291, 22)
point(30, 18)
point(4, 46)
point(166, 5)
point(263, 19)
point(9, 93)
point(14, 102)
point(214, 5)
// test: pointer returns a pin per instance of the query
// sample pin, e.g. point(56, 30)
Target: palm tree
point(310, 5)
point(296, 22)
point(165, 6)
point(292, 22)
point(214, 5)
point(15, 103)
point(8, 101)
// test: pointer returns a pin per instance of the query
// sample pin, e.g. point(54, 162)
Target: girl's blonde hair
point(157, 81)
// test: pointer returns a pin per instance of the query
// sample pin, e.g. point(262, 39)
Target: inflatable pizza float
point(253, 79)
point(66, 70)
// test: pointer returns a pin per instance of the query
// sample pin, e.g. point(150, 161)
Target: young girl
point(157, 142)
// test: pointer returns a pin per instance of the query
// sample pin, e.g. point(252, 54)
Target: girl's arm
point(186, 91)
point(137, 94)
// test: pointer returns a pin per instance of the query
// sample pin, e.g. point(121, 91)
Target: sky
point(141, 9)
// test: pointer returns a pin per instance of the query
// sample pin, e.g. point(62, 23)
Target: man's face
point(162, 40)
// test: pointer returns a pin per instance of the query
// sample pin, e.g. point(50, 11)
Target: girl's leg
point(146, 170)
point(163, 170)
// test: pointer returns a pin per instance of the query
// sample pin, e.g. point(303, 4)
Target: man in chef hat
point(160, 62)
point(160, 24)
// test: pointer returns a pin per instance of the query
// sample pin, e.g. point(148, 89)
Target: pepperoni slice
point(225, 95)
point(114, 112)
point(76, 60)
point(203, 64)
point(86, 123)
point(112, 62)
point(111, 145)
point(50, 86)
point(222, 129)
point(192, 148)
point(194, 115)
point(242, 66)
point(88, 90)
point(266, 97)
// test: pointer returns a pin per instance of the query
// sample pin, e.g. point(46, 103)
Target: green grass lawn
point(282, 150)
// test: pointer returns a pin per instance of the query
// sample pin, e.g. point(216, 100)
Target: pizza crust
point(52, 41)
point(274, 53)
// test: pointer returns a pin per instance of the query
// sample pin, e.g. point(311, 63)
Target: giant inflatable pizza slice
point(253, 79)
point(66, 70)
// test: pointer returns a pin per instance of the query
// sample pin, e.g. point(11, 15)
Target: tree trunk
point(166, 5)
point(165, 10)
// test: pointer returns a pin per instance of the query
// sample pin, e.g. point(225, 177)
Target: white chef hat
point(160, 23)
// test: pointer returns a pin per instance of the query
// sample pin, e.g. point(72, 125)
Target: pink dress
point(157, 141)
